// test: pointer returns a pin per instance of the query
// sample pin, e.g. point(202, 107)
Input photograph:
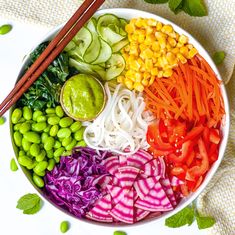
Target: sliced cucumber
point(118, 46)
point(115, 65)
point(105, 52)
point(93, 50)
point(83, 40)
point(108, 19)
point(110, 36)
point(70, 46)
point(123, 26)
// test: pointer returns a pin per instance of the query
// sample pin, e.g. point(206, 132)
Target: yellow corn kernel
point(190, 46)
point(159, 26)
point(149, 30)
point(182, 59)
point(145, 82)
point(167, 73)
point(184, 51)
point(157, 55)
point(152, 22)
point(183, 39)
point(138, 86)
point(141, 38)
point(179, 45)
point(147, 75)
point(120, 79)
point(134, 65)
point(175, 50)
point(147, 53)
point(129, 84)
point(170, 57)
point(167, 29)
point(142, 47)
point(138, 77)
point(162, 61)
point(151, 80)
point(192, 53)
point(140, 22)
point(130, 28)
point(162, 43)
point(154, 71)
point(160, 74)
point(160, 35)
point(155, 46)
point(148, 64)
point(133, 20)
point(168, 47)
point(142, 69)
point(171, 41)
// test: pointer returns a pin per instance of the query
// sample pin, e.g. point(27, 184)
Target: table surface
point(13, 47)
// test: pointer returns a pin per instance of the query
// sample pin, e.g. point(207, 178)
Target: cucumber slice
point(107, 19)
point(93, 50)
point(83, 40)
point(105, 52)
point(118, 46)
point(123, 26)
point(115, 65)
point(110, 36)
point(70, 46)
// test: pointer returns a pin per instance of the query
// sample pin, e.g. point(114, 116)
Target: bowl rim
point(225, 124)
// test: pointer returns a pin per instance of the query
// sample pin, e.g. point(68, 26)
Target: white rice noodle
point(122, 126)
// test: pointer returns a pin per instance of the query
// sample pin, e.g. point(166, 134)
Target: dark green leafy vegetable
point(29, 203)
point(218, 57)
point(175, 5)
point(204, 222)
point(45, 91)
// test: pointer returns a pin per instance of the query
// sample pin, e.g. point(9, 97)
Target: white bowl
point(132, 13)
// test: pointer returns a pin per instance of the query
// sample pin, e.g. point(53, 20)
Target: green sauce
point(83, 97)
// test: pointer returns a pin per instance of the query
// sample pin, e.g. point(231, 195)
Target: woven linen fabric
point(215, 32)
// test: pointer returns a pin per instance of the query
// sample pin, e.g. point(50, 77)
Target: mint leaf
point(183, 217)
point(156, 1)
point(175, 5)
point(29, 203)
point(218, 57)
point(204, 221)
point(194, 7)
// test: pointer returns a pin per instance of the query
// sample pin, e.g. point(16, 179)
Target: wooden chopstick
point(81, 16)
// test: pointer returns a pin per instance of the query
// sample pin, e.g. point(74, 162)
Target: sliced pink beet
point(124, 210)
point(166, 185)
point(115, 181)
point(156, 200)
point(139, 159)
point(102, 181)
point(140, 214)
point(151, 168)
point(122, 161)
point(161, 167)
point(175, 181)
point(127, 176)
point(143, 186)
point(117, 193)
point(100, 212)
point(112, 164)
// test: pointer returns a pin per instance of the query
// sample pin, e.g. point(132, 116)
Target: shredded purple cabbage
point(72, 183)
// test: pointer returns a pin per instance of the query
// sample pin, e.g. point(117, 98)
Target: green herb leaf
point(29, 203)
point(156, 1)
point(4, 29)
point(183, 217)
point(175, 5)
point(194, 7)
point(204, 221)
point(218, 57)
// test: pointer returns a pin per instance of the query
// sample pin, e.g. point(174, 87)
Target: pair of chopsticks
point(65, 35)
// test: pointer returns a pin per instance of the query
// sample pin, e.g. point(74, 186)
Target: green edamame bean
point(32, 137)
point(41, 156)
point(119, 233)
point(50, 153)
point(64, 133)
point(57, 144)
point(51, 164)
point(49, 143)
point(71, 145)
point(22, 152)
point(40, 167)
point(66, 153)
point(26, 144)
point(54, 130)
point(50, 110)
point(38, 181)
point(59, 152)
point(34, 150)
point(21, 120)
point(66, 121)
point(25, 161)
point(16, 115)
point(13, 165)
point(81, 143)
point(75, 126)
point(67, 141)
point(16, 127)
point(53, 120)
point(78, 135)
point(46, 130)
point(30, 167)
point(18, 138)
point(27, 113)
point(59, 111)
point(41, 119)
point(44, 136)
point(57, 159)
point(24, 127)
point(36, 114)
point(64, 226)
point(2, 120)
point(40, 126)
point(4, 29)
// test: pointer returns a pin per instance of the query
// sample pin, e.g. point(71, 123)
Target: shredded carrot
point(192, 92)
